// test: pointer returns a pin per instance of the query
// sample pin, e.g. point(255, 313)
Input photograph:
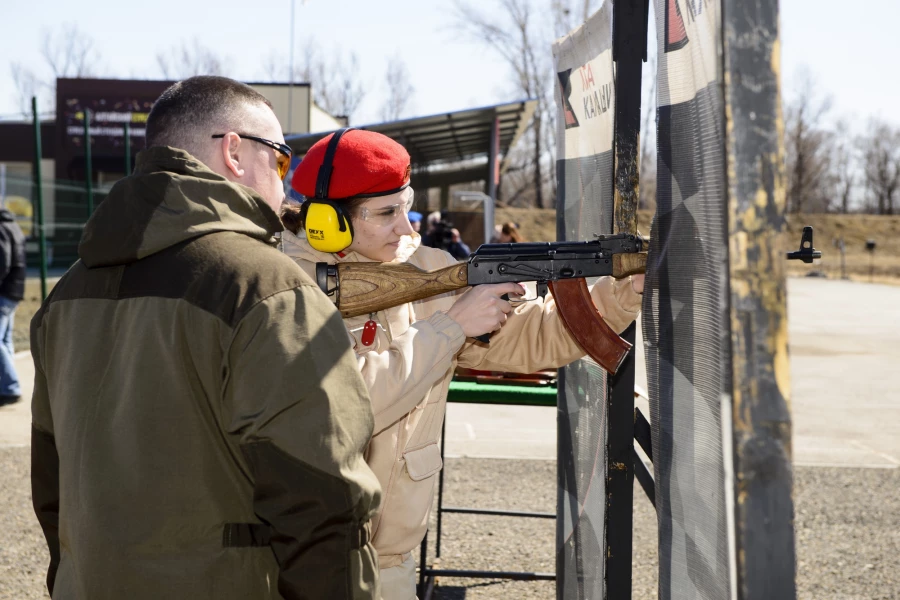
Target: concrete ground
point(15, 419)
point(845, 378)
point(845, 385)
point(845, 352)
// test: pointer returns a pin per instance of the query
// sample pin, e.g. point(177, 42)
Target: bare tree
point(343, 90)
point(569, 14)
point(807, 145)
point(68, 52)
point(336, 83)
point(399, 90)
point(521, 42)
point(27, 86)
point(881, 165)
point(187, 60)
point(844, 167)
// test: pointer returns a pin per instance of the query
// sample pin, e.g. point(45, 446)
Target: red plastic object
point(368, 334)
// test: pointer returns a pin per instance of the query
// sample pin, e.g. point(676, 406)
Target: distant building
point(112, 103)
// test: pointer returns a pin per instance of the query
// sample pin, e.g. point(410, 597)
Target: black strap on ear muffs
point(323, 180)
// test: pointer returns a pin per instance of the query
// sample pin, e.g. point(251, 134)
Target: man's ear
point(231, 154)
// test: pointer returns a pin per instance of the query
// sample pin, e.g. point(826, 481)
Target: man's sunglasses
point(283, 152)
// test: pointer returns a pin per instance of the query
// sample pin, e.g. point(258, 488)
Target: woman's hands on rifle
point(482, 309)
point(637, 283)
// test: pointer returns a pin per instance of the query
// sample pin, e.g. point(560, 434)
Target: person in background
point(509, 234)
point(12, 290)
point(432, 223)
point(199, 419)
point(458, 248)
point(415, 220)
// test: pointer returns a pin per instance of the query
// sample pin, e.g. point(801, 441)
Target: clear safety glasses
point(386, 215)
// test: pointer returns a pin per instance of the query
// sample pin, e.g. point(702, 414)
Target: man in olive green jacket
point(198, 415)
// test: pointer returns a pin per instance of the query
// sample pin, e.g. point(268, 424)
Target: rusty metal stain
point(619, 466)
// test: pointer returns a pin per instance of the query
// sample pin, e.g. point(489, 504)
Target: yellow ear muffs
point(328, 226)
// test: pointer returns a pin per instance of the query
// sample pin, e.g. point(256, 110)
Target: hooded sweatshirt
point(198, 415)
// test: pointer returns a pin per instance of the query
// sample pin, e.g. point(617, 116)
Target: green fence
point(65, 213)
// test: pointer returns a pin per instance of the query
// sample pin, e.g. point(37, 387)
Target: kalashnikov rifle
point(363, 288)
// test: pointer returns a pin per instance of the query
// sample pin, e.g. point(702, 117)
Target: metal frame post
point(39, 199)
point(88, 167)
point(629, 51)
point(493, 180)
point(760, 378)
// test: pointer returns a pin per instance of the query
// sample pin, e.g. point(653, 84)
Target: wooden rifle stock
point(365, 288)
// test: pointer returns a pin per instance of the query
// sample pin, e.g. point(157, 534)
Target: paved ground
point(845, 380)
point(15, 419)
point(845, 364)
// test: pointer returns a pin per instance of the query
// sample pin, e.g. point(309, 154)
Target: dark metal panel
point(761, 379)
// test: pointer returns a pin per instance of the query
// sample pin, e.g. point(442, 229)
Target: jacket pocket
point(423, 462)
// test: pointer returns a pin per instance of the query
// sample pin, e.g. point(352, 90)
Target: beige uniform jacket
point(408, 371)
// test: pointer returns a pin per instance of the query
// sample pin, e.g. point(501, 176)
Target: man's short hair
point(189, 111)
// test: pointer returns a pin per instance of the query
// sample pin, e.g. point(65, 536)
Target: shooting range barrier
point(714, 319)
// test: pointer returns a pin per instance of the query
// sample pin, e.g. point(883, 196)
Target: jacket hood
point(297, 246)
point(171, 197)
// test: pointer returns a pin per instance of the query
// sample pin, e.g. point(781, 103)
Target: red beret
point(365, 162)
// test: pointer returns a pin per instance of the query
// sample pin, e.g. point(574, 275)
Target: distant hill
point(540, 225)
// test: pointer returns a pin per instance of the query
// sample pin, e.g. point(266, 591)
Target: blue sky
point(848, 47)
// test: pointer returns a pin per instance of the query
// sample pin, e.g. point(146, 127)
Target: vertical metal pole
point(39, 199)
point(127, 149)
point(440, 505)
point(629, 49)
point(291, 77)
point(843, 261)
point(493, 180)
point(88, 167)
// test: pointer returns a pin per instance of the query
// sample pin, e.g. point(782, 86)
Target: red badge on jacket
point(368, 334)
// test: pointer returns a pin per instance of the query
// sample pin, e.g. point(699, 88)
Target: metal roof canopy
point(445, 138)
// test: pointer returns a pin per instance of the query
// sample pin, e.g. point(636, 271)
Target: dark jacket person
point(12, 290)
point(198, 414)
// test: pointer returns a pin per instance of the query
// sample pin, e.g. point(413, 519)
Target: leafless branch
point(189, 59)
point(400, 90)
